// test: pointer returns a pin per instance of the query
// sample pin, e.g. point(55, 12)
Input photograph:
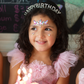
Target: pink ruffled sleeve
point(65, 60)
point(17, 56)
point(81, 76)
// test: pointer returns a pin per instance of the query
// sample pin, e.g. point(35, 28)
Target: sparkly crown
point(42, 5)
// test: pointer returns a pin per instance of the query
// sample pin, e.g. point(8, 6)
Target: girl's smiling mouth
point(41, 42)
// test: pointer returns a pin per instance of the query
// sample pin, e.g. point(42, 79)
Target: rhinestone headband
point(42, 5)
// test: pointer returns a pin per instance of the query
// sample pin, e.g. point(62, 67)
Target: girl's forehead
point(42, 20)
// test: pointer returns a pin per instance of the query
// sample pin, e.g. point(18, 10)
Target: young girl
point(1, 68)
point(42, 45)
point(80, 75)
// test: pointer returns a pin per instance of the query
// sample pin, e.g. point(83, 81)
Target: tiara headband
point(42, 5)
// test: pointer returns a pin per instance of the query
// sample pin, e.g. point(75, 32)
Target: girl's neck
point(41, 56)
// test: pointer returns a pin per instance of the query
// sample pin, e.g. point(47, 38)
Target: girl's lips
point(41, 42)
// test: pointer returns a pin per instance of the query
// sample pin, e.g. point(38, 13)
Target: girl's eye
point(48, 29)
point(33, 29)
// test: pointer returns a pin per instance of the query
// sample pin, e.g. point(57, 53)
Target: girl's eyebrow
point(50, 26)
point(33, 25)
point(45, 26)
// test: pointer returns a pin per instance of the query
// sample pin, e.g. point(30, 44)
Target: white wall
point(73, 39)
point(7, 41)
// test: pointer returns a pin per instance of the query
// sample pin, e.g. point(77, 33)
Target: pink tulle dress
point(81, 76)
point(42, 73)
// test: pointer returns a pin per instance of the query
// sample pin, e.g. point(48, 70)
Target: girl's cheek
point(52, 37)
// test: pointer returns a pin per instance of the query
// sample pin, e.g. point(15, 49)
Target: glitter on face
point(32, 33)
point(40, 23)
point(48, 34)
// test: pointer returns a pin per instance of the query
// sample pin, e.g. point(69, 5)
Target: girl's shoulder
point(67, 57)
point(63, 63)
point(15, 56)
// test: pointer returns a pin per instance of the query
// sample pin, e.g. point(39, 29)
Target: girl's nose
point(40, 34)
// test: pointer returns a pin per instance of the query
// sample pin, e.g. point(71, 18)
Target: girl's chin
point(42, 50)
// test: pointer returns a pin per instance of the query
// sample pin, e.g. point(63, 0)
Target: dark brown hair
point(80, 50)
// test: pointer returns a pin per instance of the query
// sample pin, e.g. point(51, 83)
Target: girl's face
point(42, 32)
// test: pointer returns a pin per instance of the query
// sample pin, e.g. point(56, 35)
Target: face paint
point(48, 34)
point(40, 23)
point(32, 33)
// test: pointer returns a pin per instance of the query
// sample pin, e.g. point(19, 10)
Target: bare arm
point(13, 73)
point(1, 69)
point(77, 78)
point(62, 80)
